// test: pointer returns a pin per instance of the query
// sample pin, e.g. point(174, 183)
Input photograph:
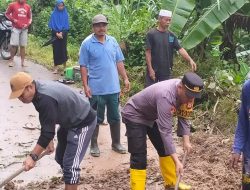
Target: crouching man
point(57, 104)
point(150, 112)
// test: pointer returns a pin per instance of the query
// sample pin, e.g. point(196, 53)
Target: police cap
point(193, 83)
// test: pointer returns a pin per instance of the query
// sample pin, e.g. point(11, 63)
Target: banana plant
point(182, 9)
point(211, 19)
point(130, 16)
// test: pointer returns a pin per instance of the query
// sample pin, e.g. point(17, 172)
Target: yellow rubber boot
point(168, 172)
point(137, 179)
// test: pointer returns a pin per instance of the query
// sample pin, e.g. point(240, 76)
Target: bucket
point(69, 73)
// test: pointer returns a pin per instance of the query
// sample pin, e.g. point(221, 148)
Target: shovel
point(12, 176)
point(180, 176)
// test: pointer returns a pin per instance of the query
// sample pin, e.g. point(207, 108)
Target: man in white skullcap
point(160, 46)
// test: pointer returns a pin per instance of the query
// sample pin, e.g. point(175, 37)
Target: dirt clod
point(10, 186)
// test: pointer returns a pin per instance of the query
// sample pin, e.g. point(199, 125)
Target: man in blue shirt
point(242, 137)
point(101, 62)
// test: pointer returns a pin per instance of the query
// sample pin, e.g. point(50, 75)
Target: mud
point(206, 168)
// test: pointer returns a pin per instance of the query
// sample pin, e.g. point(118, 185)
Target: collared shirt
point(101, 61)
point(242, 133)
point(158, 103)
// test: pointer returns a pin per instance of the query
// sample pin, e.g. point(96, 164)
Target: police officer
point(150, 112)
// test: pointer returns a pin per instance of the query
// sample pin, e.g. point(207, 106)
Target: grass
point(44, 55)
point(136, 77)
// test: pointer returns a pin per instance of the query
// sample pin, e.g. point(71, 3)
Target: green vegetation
point(216, 32)
point(44, 55)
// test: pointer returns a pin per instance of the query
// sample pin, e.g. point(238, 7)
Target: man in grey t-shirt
point(150, 112)
point(57, 104)
point(160, 46)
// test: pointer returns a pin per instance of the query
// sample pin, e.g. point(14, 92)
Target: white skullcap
point(165, 13)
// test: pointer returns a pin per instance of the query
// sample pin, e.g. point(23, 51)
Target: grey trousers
point(71, 148)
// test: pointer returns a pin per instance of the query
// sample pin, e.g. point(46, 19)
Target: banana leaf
point(245, 9)
point(182, 10)
point(210, 20)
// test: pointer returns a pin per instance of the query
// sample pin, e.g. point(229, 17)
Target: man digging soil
point(57, 104)
point(150, 112)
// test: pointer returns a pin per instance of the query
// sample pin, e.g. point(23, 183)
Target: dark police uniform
point(150, 112)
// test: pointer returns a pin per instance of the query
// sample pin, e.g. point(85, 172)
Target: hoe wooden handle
point(19, 171)
point(180, 176)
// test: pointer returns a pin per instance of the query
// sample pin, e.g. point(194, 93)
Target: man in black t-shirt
point(160, 46)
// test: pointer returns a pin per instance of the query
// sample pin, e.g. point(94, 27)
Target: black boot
point(94, 150)
point(115, 135)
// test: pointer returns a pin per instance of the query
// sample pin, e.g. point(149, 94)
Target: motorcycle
point(5, 33)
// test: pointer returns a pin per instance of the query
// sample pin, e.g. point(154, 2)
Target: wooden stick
point(19, 171)
point(180, 176)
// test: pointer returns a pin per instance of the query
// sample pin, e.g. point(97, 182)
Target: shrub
point(40, 24)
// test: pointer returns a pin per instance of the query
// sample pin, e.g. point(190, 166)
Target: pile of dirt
point(206, 168)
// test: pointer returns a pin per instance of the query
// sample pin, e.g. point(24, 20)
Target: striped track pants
point(71, 148)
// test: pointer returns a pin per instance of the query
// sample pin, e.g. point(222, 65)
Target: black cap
point(193, 83)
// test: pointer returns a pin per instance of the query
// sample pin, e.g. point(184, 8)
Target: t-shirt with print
point(21, 13)
point(162, 46)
